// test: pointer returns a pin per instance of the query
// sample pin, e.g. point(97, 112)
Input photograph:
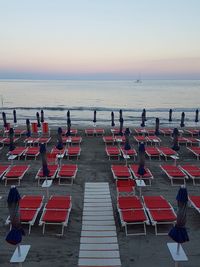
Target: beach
point(94, 166)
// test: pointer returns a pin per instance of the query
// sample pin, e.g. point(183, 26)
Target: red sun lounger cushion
point(55, 216)
point(57, 202)
point(133, 216)
point(155, 202)
point(132, 202)
point(160, 215)
point(195, 200)
point(30, 202)
point(27, 215)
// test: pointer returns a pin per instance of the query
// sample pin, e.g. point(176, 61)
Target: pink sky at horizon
point(100, 38)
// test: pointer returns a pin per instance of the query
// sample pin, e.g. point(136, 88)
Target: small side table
point(12, 157)
point(20, 253)
point(177, 253)
point(140, 183)
point(175, 158)
point(46, 184)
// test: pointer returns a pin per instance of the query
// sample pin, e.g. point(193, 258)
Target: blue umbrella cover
point(44, 160)
point(14, 236)
point(60, 142)
point(179, 233)
point(141, 151)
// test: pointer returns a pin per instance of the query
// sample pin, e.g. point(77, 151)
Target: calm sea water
point(82, 97)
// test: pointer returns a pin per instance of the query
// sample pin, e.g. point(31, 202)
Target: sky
point(100, 39)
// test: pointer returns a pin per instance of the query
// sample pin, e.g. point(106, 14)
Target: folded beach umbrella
point(68, 133)
point(182, 119)
point(179, 232)
point(120, 115)
point(112, 119)
point(4, 119)
point(121, 126)
point(143, 119)
point(60, 142)
point(95, 117)
point(11, 136)
point(157, 126)
point(127, 145)
point(196, 115)
point(28, 128)
point(68, 114)
point(38, 119)
point(141, 153)
point(175, 139)
point(42, 116)
point(44, 160)
point(170, 115)
point(14, 116)
point(14, 236)
point(144, 112)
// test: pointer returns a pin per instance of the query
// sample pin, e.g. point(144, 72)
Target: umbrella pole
point(178, 248)
point(19, 250)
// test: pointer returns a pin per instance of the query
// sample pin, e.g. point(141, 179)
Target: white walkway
point(98, 245)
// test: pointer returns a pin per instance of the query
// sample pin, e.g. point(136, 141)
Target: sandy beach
point(94, 166)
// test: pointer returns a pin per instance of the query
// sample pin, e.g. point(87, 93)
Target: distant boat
point(138, 80)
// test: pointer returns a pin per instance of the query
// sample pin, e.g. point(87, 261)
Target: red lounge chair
point(146, 177)
point(56, 212)
point(18, 152)
point(90, 132)
point(31, 141)
point(125, 187)
point(131, 212)
point(42, 140)
point(150, 131)
point(120, 172)
point(182, 140)
point(99, 131)
point(45, 129)
point(32, 152)
point(76, 140)
point(115, 131)
point(195, 151)
point(15, 172)
point(74, 151)
point(141, 131)
point(52, 173)
point(67, 172)
point(140, 139)
point(174, 173)
point(56, 151)
point(193, 132)
point(109, 140)
point(19, 132)
point(29, 207)
point(192, 171)
point(6, 140)
point(167, 152)
point(166, 131)
point(193, 141)
point(152, 152)
point(113, 152)
point(4, 169)
point(153, 140)
point(73, 132)
point(51, 158)
point(195, 202)
point(2, 140)
point(159, 211)
point(131, 153)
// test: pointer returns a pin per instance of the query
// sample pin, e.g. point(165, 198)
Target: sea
point(82, 97)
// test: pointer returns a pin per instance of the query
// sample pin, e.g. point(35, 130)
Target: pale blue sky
point(100, 38)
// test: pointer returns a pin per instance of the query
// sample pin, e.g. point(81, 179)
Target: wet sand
point(94, 166)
